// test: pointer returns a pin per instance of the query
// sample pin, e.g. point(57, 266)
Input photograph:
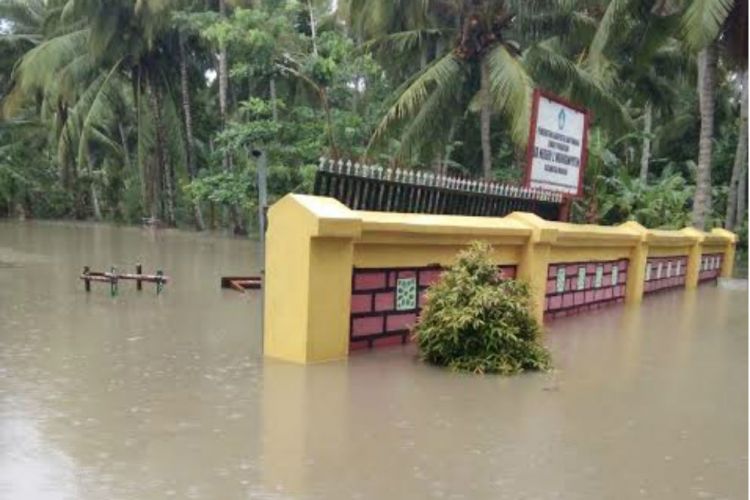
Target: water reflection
point(167, 397)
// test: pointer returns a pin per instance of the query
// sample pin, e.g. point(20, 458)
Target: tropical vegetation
point(146, 109)
point(476, 321)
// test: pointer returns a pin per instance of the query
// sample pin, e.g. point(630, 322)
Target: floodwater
point(156, 397)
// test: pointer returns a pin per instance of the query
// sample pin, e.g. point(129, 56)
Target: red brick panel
point(710, 267)
point(672, 275)
point(369, 280)
point(375, 321)
point(573, 299)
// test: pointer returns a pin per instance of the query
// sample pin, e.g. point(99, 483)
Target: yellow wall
point(314, 242)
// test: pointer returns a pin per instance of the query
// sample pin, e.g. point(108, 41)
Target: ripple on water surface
point(151, 397)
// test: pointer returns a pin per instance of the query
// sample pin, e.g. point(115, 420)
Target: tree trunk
point(740, 161)
point(741, 201)
point(67, 168)
point(485, 115)
point(329, 121)
point(189, 141)
point(706, 96)
point(237, 219)
point(272, 91)
point(125, 150)
point(223, 83)
point(95, 201)
point(441, 167)
point(145, 158)
point(313, 29)
point(162, 172)
point(95, 205)
point(127, 164)
point(646, 149)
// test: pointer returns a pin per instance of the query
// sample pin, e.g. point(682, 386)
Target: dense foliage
point(476, 321)
point(146, 108)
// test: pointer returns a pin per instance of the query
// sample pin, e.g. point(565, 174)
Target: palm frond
point(405, 40)
point(429, 129)
point(703, 20)
point(605, 31)
point(511, 89)
point(39, 66)
point(576, 83)
point(101, 137)
point(26, 16)
point(174, 128)
point(76, 75)
point(443, 75)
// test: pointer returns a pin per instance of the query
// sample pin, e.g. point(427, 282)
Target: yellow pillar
point(727, 266)
point(534, 264)
point(309, 254)
point(637, 265)
point(695, 254)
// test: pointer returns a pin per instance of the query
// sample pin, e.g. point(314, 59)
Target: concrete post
point(727, 266)
point(695, 253)
point(534, 262)
point(308, 279)
point(637, 266)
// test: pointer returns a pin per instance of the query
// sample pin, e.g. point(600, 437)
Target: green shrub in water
point(475, 321)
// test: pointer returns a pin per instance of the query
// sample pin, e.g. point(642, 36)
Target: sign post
point(557, 151)
point(262, 170)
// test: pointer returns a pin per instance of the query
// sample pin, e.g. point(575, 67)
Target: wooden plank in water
point(241, 283)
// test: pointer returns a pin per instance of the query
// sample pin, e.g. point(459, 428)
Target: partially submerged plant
point(475, 321)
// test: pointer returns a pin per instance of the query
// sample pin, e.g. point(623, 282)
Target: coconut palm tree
point(187, 114)
point(739, 168)
point(53, 73)
point(646, 59)
point(82, 67)
point(482, 69)
point(707, 26)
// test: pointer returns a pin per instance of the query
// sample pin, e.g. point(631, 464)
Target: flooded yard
point(151, 397)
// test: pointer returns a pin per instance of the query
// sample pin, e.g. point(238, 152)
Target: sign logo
point(561, 119)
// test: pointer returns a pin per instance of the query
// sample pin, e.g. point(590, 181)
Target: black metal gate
point(365, 187)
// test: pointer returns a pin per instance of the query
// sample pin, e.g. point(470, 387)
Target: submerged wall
point(338, 280)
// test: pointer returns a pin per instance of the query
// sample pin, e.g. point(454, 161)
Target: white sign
point(557, 146)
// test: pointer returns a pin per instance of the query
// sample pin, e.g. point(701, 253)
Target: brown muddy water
point(145, 397)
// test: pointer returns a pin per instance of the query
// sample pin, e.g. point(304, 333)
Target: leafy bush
point(662, 203)
point(475, 321)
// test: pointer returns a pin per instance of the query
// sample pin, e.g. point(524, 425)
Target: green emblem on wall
point(615, 274)
point(581, 284)
point(599, 276)
point(406, 294)
point(560, 283)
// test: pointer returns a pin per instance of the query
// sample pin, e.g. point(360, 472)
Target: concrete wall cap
point(326, 217)
point(636, 227)
point(665, 237)
point(593, 234)
point(696, 235)
point(726, 234)
point(543, 230)
point(441, 224)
